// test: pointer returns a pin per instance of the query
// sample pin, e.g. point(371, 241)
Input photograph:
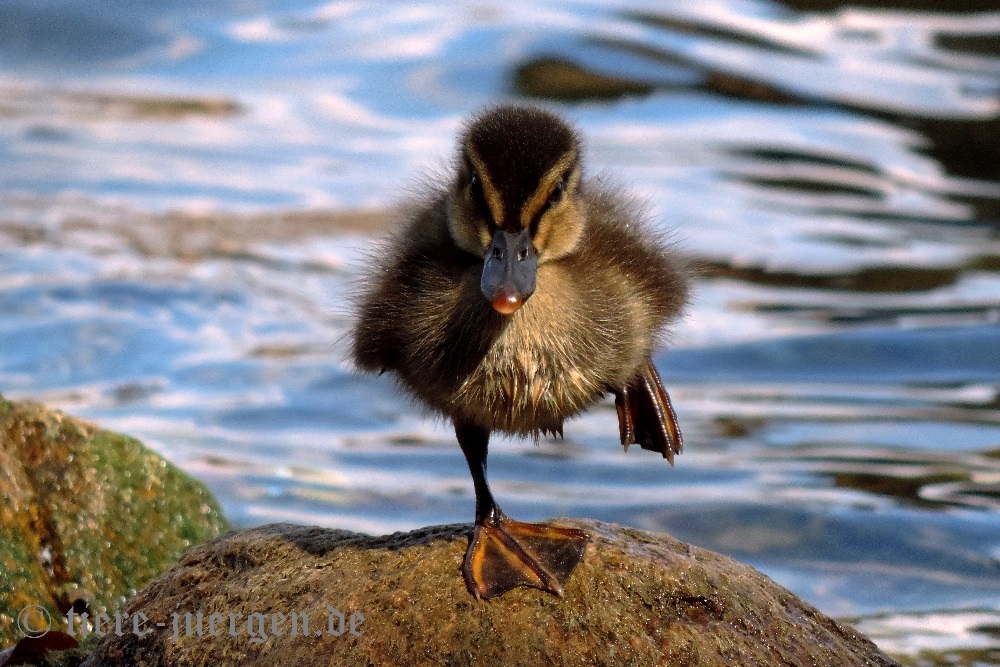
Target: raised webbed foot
point(646, 417)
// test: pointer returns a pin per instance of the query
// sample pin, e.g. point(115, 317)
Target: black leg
point(475, 442)
point(504, 553)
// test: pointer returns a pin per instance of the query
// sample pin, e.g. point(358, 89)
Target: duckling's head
point(515, 198)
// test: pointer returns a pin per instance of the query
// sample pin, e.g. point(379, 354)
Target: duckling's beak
point(509, 271)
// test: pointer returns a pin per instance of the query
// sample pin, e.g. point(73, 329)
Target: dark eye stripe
point(479, 197)
point(556, 196)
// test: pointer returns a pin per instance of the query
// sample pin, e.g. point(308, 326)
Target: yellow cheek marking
point(560, 229)
point(490, 192)
point(467, 235)
point(485, 238)
point(541, 239)
point(545, 187)
point(558, 233)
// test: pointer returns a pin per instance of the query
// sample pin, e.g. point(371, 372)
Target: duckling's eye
point(554, 198)
point(476, 192)
point(475, 187)
point(557, 193)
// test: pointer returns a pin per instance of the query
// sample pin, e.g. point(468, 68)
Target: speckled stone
point(637, 598)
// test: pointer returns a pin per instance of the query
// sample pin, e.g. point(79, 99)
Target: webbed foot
point(505, 554)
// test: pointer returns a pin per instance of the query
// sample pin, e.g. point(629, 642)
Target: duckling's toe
point(505, 554)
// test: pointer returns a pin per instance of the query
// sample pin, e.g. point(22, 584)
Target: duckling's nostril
point(497, 252)
point(522, 254)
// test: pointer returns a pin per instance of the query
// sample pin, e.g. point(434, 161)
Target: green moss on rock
point(86, 514)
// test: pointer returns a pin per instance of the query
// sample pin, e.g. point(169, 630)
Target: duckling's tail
point(645, 416)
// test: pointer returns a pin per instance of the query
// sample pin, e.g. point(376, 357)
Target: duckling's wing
point(645, 415)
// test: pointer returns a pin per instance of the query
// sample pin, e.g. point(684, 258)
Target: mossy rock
point(86, 515)
point(637, 598)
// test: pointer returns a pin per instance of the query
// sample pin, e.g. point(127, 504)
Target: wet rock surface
point(637, 598)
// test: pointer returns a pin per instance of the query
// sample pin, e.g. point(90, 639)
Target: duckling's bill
point(509, 271)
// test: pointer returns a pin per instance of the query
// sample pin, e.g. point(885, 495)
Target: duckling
point(514, 297)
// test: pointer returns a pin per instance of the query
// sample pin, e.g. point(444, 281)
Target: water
point(187, 190)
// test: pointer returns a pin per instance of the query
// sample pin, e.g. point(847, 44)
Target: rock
point(637, 598)
point(86, 516)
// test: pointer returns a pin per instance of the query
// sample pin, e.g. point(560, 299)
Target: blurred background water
point(187, 189)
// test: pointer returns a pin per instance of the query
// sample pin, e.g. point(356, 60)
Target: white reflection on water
point(910, 633)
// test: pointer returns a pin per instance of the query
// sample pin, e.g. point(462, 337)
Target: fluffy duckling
point(516, 296)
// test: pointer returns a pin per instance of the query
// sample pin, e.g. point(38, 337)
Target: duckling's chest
point(523, 386)
point(550, 360)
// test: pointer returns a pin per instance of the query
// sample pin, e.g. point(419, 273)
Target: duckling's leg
point(504, 553)
point(645, 415)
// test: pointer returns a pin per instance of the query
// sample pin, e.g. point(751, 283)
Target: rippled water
point(187, 190)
